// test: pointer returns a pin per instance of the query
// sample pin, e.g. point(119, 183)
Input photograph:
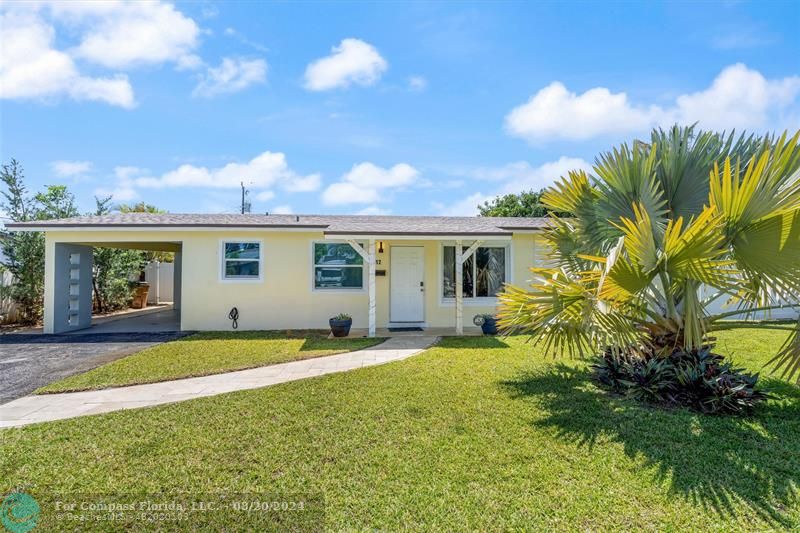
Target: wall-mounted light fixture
point(380, 247)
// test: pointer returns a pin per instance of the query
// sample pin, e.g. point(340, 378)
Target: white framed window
point(485, 272)
point(336, 267)
point(241, 260)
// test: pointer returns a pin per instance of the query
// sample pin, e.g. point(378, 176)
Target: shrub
point(697, 379)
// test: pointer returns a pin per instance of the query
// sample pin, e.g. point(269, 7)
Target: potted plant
point(487, 323)
point(340, 325)
point(140, 291)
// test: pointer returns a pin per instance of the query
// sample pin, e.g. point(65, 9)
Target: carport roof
point(327, 224)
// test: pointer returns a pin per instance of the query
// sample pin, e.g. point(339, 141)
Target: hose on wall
point(233, 316)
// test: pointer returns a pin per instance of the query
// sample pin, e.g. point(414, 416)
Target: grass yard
point(477, 433)
point(202, 354)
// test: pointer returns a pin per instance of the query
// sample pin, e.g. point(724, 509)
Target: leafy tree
point(140, 207)
point(524, 204)
point(55, 202)
point(656, 226)
point(111, 270)
point(24, 251)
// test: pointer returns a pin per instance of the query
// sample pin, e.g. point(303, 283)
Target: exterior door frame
point(424, 281)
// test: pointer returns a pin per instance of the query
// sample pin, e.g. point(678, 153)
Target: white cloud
point(555, 112)
point(232, 75)
point(283, 210)
point(128, 172)
point(118, 194)
point(374, 210)
point(36, 62)
point(69, 169)
point(264, 171)
point(367, 183)
point(511, 179)
point(126, 34)
point(417, 83)
point(265, 196)
point(521, 176)
point(349, 193)
point(465, 207)
point(738, 97)
point(232, 32)
point(30, 68)
point(352, 62)
point(741, 35)
point(124, 190)
point(309, 183)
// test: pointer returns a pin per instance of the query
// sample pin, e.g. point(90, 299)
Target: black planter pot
point(340, 328)
point(489, 326)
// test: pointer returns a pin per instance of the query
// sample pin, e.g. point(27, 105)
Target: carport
point(68, 283)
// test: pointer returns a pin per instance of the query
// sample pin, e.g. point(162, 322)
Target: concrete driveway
point(32, 360)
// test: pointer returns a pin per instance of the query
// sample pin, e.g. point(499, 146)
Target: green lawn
point(477, 433)
point(209, 353)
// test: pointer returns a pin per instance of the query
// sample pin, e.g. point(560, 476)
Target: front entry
point(406, 271)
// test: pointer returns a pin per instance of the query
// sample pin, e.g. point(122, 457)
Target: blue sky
point(401, 108)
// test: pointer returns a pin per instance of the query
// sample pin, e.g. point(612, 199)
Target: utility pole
point(245, 203)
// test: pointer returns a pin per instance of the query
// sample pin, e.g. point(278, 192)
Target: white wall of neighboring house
point(720, 305)
point(161, 277)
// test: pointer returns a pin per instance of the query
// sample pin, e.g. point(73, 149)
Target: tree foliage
point(24, 251)
point(112, 269)
point(524, 204)
point(655, 226)
point(142, 207)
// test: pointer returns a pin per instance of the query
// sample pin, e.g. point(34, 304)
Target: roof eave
point(162, 227)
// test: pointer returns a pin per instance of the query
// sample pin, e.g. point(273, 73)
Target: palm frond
point(787, 360)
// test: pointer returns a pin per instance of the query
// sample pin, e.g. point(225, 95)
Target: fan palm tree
point(657, 227)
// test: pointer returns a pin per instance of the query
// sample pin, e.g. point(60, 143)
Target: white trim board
point(412, 237)
point(337, 290)
point(480, 301)
point(221, 260)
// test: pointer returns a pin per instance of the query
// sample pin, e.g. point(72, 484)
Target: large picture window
point(241, 260)
point(337, 266)
point(484, 272)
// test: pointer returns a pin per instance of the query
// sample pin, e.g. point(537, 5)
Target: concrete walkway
point(46, 407)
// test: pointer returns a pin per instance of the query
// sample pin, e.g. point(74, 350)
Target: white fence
point(161, 277)
point(8, 309)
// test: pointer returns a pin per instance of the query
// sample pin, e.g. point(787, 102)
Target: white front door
point(406, 271)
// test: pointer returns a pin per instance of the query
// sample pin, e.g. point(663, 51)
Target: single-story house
point(297, 271)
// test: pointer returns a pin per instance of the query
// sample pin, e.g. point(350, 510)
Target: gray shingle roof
point(329, 224)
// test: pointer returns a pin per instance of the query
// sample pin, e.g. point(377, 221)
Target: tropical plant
point(661, 230)
point(700, 380)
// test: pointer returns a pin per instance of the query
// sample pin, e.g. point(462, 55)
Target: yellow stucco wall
point(284, 298)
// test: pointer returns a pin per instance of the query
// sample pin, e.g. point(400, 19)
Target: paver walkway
point(46, 407)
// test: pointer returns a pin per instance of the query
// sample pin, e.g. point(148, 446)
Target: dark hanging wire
point(234, 316)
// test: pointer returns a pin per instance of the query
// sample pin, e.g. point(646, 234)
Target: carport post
point(67, 286)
